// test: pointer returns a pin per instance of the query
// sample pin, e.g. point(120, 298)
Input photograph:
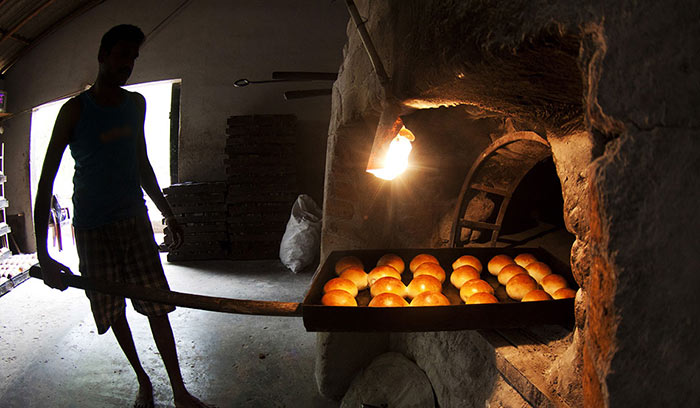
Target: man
point(104, 128)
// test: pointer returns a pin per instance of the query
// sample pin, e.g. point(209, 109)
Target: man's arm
point(62, 131)
point(149, 183)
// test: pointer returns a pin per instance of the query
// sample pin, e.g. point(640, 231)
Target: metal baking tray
point(457, 316)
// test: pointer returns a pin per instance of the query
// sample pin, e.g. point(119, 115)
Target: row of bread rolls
point(527, 279)
point(385, 284)
point(466, 277)
point(521, 278)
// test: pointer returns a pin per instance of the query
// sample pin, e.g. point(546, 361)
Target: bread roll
point(463, 274)
point(564, 293)
point(480, 298)
point(536, 295)
point(509, 271)
point(525, 259)
point(338, 298)
point(423, 283)
point(430, 299)
point(468, 260)
point(418, 260)
point(520, 285)
point(474, 286)
point(346, 262)
point(381, 272)
point(498, 262)
point(357, 276)
point(392, 260)
point(388, 300)
point(388, 285)
point(340, 284)
point(552, 283)
point(538, 270)
point(431, 269)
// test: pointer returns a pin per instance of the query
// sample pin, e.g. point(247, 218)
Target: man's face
point(116, 66)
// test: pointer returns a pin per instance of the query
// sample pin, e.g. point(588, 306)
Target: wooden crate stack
point(201, 210)
point(262, 184)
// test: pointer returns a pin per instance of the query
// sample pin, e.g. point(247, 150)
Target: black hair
point(123, 32)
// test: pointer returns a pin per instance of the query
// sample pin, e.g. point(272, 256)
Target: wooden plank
point(489, 189)
point(479, 225)
point(523, 361)
point(215, 304)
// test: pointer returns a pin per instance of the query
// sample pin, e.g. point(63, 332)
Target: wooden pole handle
point(211, 303)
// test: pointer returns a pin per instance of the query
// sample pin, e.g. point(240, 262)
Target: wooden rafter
point(26, 20)
point(76, 12)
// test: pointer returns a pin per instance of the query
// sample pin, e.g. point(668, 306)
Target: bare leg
point(163, 336)
point(122, 332)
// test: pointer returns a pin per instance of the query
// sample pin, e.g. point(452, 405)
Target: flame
point(396, 159)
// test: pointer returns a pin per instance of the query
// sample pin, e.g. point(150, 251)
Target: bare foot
point(189, 401)
point(144, 398)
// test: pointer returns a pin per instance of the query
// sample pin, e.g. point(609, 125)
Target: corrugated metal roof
point(23, 23)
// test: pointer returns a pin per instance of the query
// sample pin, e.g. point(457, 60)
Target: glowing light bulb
point(396, 160)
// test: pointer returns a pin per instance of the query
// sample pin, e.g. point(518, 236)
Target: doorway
point(161, 129)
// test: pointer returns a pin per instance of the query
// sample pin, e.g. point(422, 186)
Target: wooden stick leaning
point(211, 303)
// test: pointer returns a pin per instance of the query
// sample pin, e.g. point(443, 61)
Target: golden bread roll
point(392, 260)
point(498, 262)
point(423, 283)
point(564, 293)
point(474, 286)
point(492, 280)
point(338, 298)
point(467, 260)
point(340, 284)
point(463, 274)
point(538, 270)
point(525, 259)
point(552, 283)
point(431, 269)
point(388, 284)
point(357, 276)
point(509, 271)
point(381, 272)
point(420, 259)
point(520, 285)
point(346, 262)
point(481, 298)
point(430, 299)
point(388, 300)
point(536, 295)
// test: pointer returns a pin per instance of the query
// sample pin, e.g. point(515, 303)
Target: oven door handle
point(211, 303)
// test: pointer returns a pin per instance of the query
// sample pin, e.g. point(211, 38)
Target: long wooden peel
point(214, 304)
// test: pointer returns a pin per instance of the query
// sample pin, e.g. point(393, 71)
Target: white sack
point(302, 238)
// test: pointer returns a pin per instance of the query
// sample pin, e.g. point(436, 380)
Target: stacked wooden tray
point(456, 316)
point(201, 210)
point(262, 186)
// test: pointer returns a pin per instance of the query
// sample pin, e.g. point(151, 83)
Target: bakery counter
point(456, 314)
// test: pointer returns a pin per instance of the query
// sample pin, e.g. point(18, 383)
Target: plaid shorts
point(123, 252)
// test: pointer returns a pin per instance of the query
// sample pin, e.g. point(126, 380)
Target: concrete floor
point(52, 356)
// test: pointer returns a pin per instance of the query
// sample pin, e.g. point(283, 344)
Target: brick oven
point(571, 114)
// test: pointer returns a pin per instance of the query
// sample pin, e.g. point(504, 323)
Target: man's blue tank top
point(106, 184)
